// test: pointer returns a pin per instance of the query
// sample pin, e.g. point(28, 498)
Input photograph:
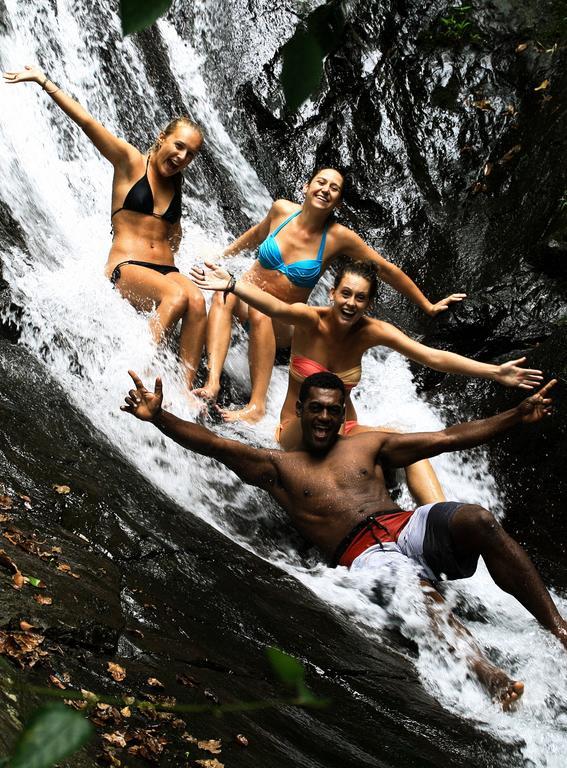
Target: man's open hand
point(537, 406)
point(142, 403)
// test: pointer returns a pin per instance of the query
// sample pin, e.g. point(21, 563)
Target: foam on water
point(58, 189)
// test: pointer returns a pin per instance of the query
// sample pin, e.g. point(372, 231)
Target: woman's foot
point(250, 413)
point(209, 392)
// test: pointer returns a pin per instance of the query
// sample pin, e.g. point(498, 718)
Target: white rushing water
point(58, 189)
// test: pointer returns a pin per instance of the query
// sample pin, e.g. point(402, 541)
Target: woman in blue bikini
point(146, 213)
point(286, 269)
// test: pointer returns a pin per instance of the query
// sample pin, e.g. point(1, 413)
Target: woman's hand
point(28, 75)
point(443, 305)
point(511, 375)
point(217, 279)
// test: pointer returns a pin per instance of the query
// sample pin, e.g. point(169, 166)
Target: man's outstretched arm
point(254, 466)
point(401, 450)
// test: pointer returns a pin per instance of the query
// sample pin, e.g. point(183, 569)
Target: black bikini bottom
point(163, 269)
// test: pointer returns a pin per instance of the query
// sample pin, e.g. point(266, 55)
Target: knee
point(176, 302)
point(479, 520)
point(197, 306)
point(258, 319)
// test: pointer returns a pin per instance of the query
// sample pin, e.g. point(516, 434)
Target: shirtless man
point(333, 489)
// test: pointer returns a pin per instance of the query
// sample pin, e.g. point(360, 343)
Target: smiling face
point(177, 149)
point(324, 191)
point(322, 414)
point(351, 297)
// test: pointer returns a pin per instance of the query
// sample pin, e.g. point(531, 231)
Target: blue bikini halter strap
point(286, 221)
point(321, 250)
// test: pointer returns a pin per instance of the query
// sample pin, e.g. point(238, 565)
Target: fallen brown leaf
point(61, 489)
point(25, 626)
point(18, 580)
point(117, 672)
point(212, 745)
point(5, 518)
point(43, 599)
point(126, 712)
point(241, 739)
point(521, 47)
point(188, 738)
point(214, 763)
point(57, 682)
point(543, 85)
point(187, 680)
point(483, 104)
point(6, 502)
point(115, 738)
point(510, 154)
point(155, 683)
point(23, 647)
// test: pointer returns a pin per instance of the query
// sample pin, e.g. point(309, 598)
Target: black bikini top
point(140, 199)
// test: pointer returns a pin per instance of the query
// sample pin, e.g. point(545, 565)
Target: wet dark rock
point(149, 605)
point(529, 461)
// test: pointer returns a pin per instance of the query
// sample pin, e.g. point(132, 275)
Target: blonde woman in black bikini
point(146, 213)
point(334, 338)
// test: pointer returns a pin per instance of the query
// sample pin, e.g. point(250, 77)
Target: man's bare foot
point(250, 413)
point(561, 633)
point(208, 393)
point(503, 689)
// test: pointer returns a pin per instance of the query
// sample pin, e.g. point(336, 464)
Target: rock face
point(453, 137)
point(167, 597)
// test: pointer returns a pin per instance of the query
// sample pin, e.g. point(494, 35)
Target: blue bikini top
point(304, 273)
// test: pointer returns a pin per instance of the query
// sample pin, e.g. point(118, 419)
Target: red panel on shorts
point(393, 522)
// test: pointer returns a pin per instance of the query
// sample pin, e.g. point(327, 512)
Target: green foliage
point(139, 14)
point(53, 733)
point(455, 26)
point(303, 54)
point(291, 673)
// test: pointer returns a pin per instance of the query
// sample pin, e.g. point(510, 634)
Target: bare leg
point(423, 483)
point(193, 327)
point(476, 531)
point(501, 687)
point(261, 354)
point(219, 331)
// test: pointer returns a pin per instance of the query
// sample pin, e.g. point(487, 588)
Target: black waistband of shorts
point(361, 527)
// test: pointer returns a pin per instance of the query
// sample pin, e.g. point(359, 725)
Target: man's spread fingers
point(134, 395)
point(548, 386)
point(158, 387)
point(136, 379)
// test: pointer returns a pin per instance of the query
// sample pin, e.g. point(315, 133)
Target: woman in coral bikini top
point(295, 246)
point(146, 213)
point(334, 338)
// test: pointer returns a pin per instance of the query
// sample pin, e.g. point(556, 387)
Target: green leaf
point(53, 733)
point(35, 582)
point(301, 69)
point(287, 668)
point(303, 54)
point(137, 15)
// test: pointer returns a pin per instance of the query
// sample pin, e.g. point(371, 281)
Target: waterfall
point(58, 190)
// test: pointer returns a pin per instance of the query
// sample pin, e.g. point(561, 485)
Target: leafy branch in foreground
point(302, 55)
point(55, 731)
